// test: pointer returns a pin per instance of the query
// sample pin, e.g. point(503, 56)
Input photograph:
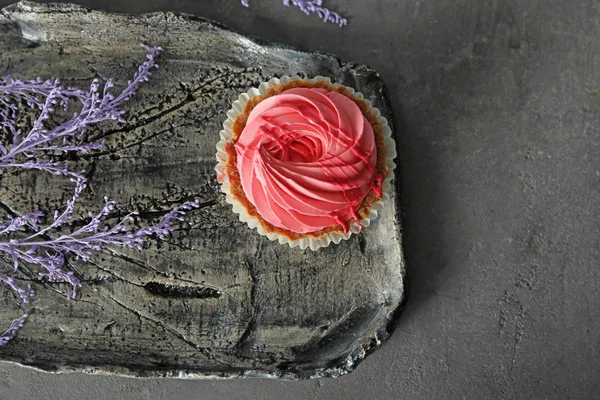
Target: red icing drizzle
point(307, 159)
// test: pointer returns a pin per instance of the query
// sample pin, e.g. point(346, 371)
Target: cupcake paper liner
point(313, 243)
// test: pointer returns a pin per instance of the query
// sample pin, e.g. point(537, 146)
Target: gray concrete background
point(499, 104)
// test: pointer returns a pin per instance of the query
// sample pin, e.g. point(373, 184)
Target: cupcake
point(305, 162)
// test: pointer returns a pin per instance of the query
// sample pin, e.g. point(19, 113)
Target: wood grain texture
point(216, 299)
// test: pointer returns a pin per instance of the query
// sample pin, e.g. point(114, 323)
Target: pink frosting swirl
point(307, 159)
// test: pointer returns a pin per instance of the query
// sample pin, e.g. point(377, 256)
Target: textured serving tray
point(216, 299)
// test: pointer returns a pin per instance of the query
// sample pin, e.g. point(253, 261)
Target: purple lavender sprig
point(33, 94)
point(313, 6)
point(11, 332)
point(50, 254)
point(41, 247)
point(46, 95)
point(25, 294)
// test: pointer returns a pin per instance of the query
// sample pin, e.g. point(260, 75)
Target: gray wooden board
point(215, 299)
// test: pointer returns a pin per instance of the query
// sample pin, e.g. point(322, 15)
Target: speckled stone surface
point(215, 299)
point(499, 115)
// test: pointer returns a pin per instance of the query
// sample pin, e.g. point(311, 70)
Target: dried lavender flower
point(313, 6)
point(12, 329)
point(42, 247)
point(25, 294)
point(46, 95)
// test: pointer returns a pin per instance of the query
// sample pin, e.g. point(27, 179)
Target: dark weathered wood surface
point(215, 299)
